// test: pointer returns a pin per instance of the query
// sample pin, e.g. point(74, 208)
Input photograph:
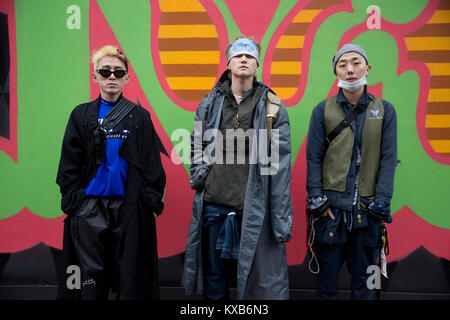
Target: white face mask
point(353, 85)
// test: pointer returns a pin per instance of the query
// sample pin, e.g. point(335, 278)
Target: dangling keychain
point(384, 251)
point(236, 121)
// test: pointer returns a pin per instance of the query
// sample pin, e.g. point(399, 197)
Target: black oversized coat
point(144, 192)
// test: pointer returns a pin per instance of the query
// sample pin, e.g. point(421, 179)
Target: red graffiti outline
point(307, 44)
point(398, 32)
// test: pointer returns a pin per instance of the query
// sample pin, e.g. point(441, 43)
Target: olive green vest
point(338, 156)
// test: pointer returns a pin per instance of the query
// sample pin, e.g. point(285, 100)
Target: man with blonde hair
point(112, 183)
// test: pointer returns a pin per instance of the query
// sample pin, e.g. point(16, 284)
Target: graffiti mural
point(176, 50)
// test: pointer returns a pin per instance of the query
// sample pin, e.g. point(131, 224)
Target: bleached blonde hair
point(108, 51)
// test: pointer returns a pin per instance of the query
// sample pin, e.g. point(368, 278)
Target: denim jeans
point(220, 249)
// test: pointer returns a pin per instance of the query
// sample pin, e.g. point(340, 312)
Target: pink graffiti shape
point(253, 17)
point(25, 230)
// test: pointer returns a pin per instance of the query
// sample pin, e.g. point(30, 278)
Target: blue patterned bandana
point(243, 46)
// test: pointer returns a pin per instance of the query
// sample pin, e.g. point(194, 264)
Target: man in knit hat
point(351, 159)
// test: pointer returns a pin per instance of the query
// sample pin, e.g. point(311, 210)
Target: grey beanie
point(348, 47)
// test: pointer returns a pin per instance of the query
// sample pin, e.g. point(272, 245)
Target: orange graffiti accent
point(286, 66)
point(189, 48)
point(431, 44)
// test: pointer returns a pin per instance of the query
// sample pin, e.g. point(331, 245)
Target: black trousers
point(360, 249)
point(96, 234)
point(358, 258)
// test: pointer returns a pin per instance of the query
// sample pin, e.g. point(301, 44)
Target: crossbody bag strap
point(344, 123)
point(115, 116)
point(272, 108)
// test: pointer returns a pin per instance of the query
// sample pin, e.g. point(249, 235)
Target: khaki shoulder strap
point(272, 108)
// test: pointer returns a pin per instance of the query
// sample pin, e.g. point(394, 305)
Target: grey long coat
point(267, 216)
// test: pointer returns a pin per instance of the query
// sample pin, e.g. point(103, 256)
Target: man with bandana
point(242, 212)
point(351, 159)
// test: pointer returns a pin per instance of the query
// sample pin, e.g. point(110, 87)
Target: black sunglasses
point(105, 73)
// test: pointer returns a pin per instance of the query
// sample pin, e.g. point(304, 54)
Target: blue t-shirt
point(111, 176)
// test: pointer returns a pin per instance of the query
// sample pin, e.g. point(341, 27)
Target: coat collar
point(91, 117)
point(226, 77)
point(364, 100)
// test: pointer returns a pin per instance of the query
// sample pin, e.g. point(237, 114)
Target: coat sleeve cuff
point(314, 192)
point(382, 198)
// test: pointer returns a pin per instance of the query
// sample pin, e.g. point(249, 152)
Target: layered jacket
point(267, 214)
point(317, 146)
